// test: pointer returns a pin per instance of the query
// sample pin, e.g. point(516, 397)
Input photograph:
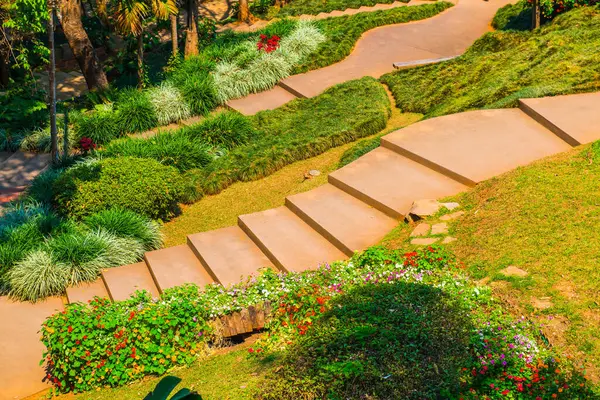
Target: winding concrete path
point(362, 202)
point(446, 35)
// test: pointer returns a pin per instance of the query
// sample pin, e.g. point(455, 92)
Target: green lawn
point(311, 7)
point(560, 58)
point(545, 219)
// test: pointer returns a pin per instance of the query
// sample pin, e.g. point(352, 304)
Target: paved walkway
point(362, 202)
point(445, 35)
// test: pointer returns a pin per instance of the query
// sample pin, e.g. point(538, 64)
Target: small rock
point(451, 206)
point(243, 387)
point(422, 208)
point(542, 303)
point(439, 229)
point(421, 230)
point(511, 270)
point(424, 241)
point(449, 217)
point(314, 172)
point(448, 239)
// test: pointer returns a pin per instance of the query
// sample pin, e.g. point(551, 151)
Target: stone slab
point(423, 241)
point(476, 145)
point(576, 116)
point(122, 282)
point(391, 182)
point(228, 254)
point(87, 291)
point(175, 266)
point(267, 100)
point(20, 346)
point(344, 220)
point(421, 230)
point(290, 243)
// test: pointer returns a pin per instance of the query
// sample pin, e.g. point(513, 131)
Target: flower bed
point(414, 318)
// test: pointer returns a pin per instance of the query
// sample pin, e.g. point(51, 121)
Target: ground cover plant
point(340, 329)
point(503, 66)
point(305, 7)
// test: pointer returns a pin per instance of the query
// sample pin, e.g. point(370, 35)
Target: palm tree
point(129, 17)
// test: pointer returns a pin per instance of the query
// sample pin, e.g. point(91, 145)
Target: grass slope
point(560, 58)
point(543, 218)
point(311, 7)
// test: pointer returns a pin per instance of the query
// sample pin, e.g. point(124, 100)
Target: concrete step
point(228, 254)
point(573, 118)
point(345, 221)
point(267, 100)
point(175, 266)
point(390, 182)
point(477, 145)
point(85, 292)
point(20, 346)
point(122, 282)
point(21, 168)
point(290, 243)
point(336, 13)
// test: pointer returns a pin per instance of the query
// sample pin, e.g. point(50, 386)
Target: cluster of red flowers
point(87, 144)
point(268, 44)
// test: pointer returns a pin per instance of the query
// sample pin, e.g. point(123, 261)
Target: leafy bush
point(23, 108)
point(302, 129)
point(502, 67)
point(226, 129)
point(141, 185)
point(135, 111)
point(174, 149)
point(169, 105)
point(199, 92)
point(513, 17)
point(101, 126)
point(125, 223)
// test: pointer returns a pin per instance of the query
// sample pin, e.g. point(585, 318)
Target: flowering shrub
point(87, 144)
point(551, 8)
point(111, 344)
point(268, 44)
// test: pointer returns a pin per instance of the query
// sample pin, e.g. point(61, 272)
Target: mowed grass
point(545, 219)
point(311, 7)
point(226, 375)
point(221, 210)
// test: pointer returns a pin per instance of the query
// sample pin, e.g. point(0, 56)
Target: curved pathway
point(448, 34)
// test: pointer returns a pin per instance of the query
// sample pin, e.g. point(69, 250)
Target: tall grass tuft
point(125, 223)
point(136, 112)
point(169, 104)
point(37, 277)
point(226, 130)
point(101, 125)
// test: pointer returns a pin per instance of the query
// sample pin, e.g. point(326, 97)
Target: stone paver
point(439, 229)
point(423, 241)
point(421, 230)
point(476, 145)
point(87, 291)
point(511, 270)
point(122, 282)
point(454, 215)
point(448, 239)
point(267, 100)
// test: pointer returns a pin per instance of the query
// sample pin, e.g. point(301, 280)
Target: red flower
point(70, 329)
point(505, 392)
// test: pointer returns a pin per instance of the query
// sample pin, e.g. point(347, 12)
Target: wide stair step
point(390, 182)
point(85, 292)
point(175, 266)
point(290, 243)
point(122, 282)
point(476, 145)
point(20, 346)
point(574, 118)
point(345, 221)
point(14, 164)
point(21, 168)
point(228, 254)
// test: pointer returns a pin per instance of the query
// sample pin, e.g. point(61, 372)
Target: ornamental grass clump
point(226, 130)
point(136, 113)
point(101, 125)
point(169, 104)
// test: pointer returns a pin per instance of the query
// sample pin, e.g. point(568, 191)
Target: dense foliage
point(383, 325)
point(503, 66)
point(138, 184)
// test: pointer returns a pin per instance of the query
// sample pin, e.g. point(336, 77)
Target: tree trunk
point(191, 33)
point(244, 14)
point(140, 60)
point(80, 44)
point(535, 14)
point(52, 90)
point(174, 41)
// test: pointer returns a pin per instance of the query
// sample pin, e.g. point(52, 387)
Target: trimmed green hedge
point(141, 185)
point(302, 129)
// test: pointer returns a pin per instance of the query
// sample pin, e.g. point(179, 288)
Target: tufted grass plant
point(101, 125)
point(169, 104)
point(226, 129)
point(125, 223)
point(37, 277)
point(199, 92)
point(136, 112)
